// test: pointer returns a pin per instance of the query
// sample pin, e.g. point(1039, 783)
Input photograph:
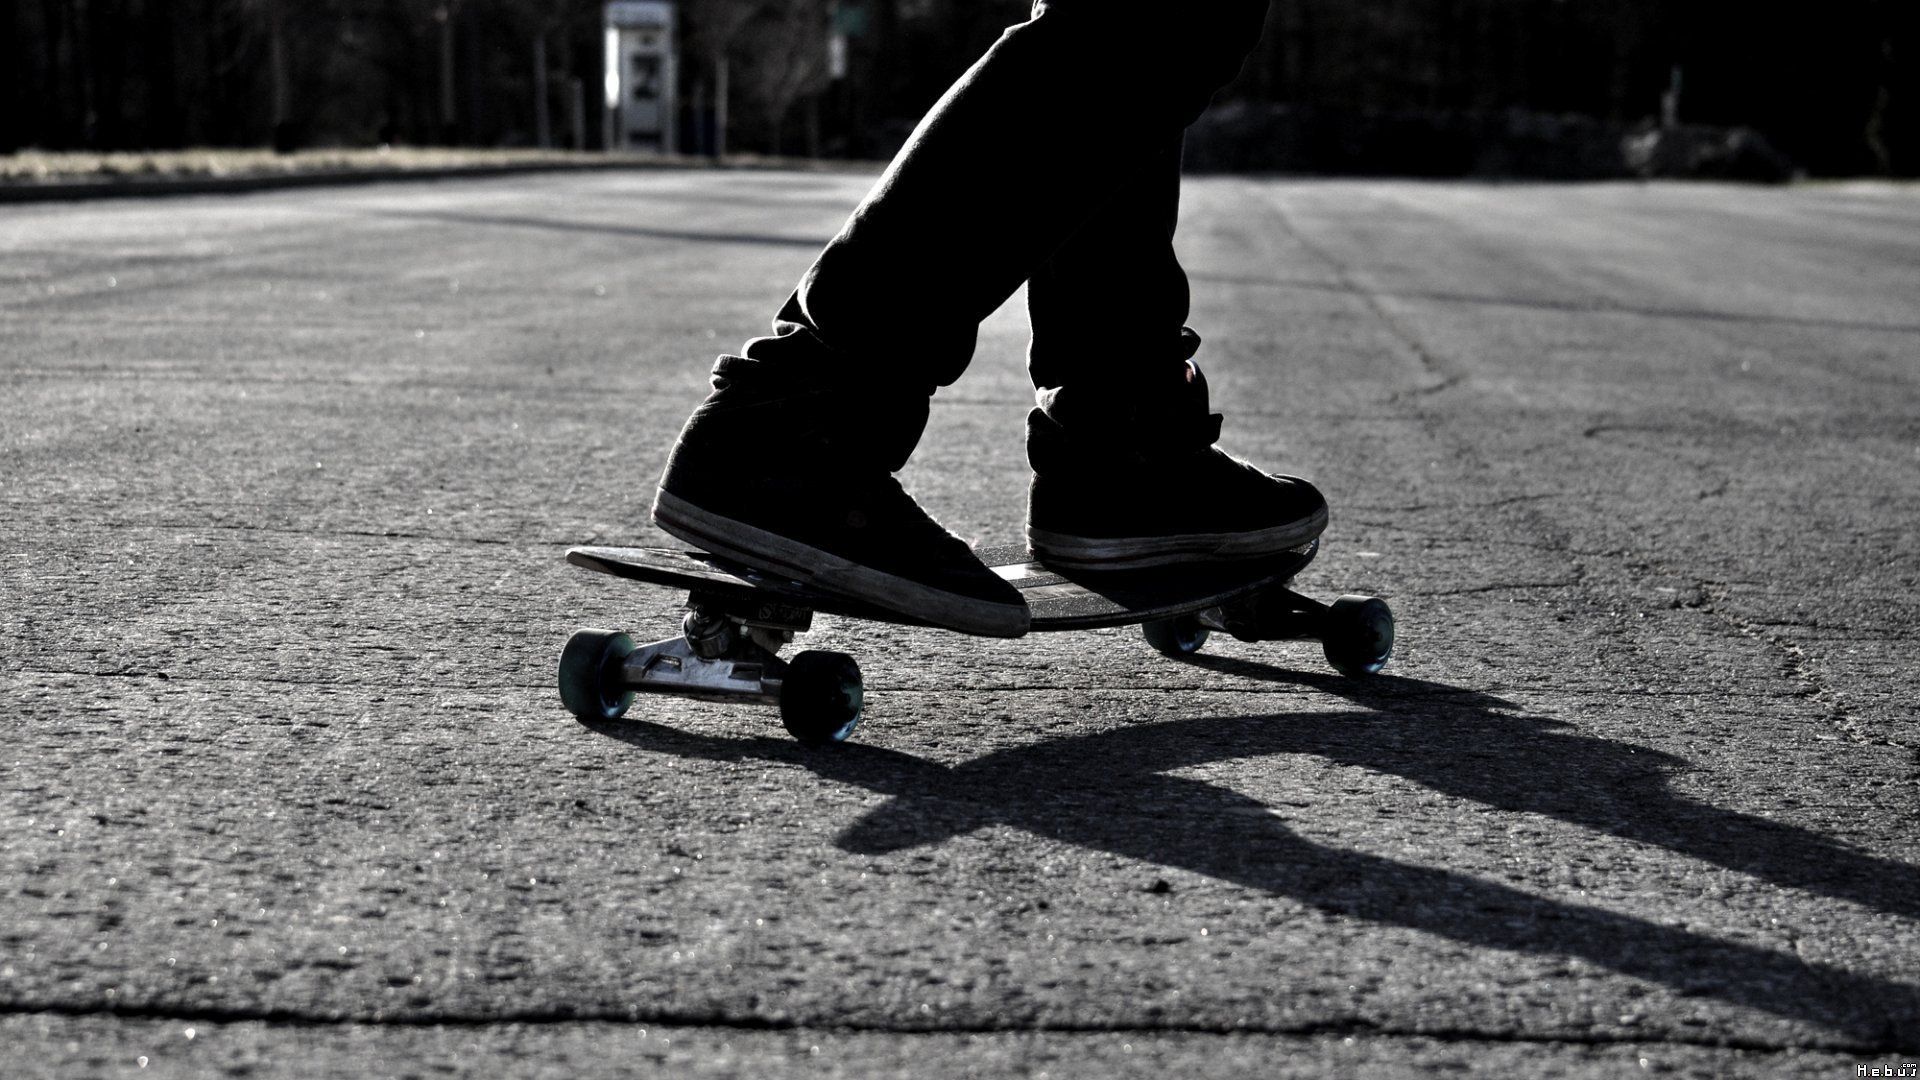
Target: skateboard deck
point(1057, 599)
point(738, 619)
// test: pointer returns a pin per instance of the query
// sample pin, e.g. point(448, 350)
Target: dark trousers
point(1055, 161)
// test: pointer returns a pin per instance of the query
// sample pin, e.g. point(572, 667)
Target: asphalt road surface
point(286, 788)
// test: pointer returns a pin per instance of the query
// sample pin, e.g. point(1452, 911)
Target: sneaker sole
point(1136, 553)
point(776, 554)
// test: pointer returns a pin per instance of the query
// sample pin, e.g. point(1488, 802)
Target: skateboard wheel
point(1358, 635)
point(587, 668)
point(1178, 636)
point(821, 697)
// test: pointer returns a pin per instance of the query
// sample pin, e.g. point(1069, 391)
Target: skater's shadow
point(1111, 791)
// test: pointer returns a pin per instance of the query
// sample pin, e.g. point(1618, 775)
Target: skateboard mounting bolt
point(707, 634)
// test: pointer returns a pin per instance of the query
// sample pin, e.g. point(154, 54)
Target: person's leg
point(1125, 474)
point(1062, 113)
point(1109, 307)
point(803, 432)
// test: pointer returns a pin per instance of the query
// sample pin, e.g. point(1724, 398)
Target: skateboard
point(738, 619)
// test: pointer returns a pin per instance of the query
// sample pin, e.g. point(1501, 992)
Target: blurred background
point(1519, 88)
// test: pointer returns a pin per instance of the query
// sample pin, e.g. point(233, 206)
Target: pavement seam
point(562, 1017)
point(370, 534)
point(511, 391)
point(1007, 688)
point(1409, 697)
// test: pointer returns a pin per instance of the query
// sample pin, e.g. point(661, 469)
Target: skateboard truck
point(1355, 632)
point(726, 651)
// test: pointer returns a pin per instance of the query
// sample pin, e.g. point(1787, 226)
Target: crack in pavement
point(1795, 660)
point(1502, 586)
point(1446, 374)
point(1800, 668)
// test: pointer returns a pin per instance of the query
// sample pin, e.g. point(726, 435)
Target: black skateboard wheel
point(1357, 635)
point(1181, 635)
point(588, 666)
point(821, 697)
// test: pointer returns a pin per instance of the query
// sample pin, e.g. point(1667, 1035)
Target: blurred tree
point(1834, 83)
point(712, 30)
point(788, 44)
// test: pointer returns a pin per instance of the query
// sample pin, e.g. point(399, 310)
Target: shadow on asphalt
point(1588, 307)
point(1110, 792)
point(528, 221)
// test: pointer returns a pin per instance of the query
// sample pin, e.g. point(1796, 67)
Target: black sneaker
point(1159, 499)
point(799, 482)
